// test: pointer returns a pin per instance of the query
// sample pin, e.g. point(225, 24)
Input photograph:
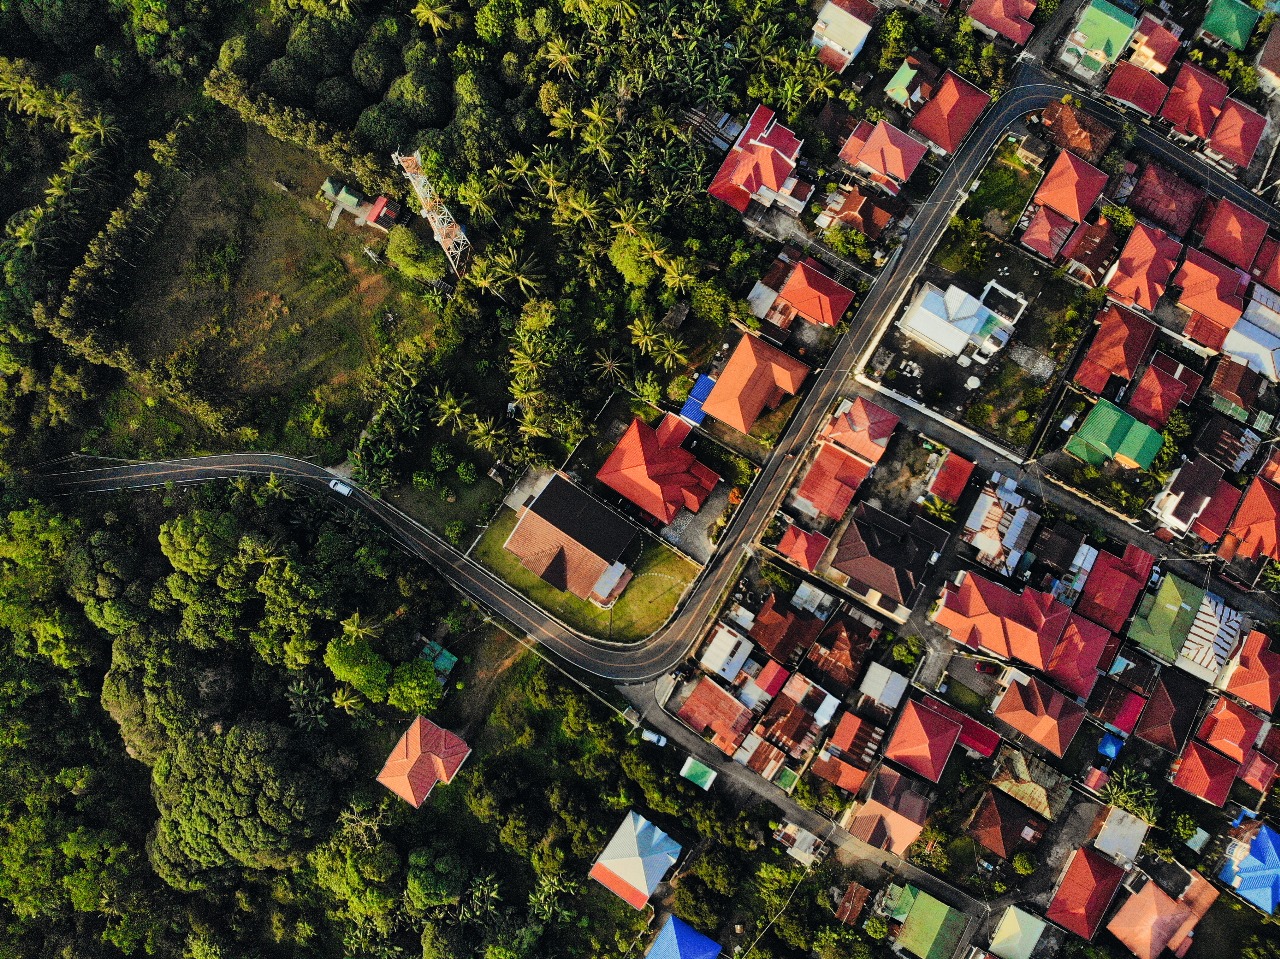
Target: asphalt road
point(667, 647)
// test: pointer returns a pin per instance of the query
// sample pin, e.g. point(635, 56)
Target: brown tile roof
point(1042, 714)
point(894, 814)
point(651, 469)
point(1003, 825)
point(1170, 712)
point(880, 552)
point(1092, 246)
point(1084, 893)
point(789, 726)
point(1074, 130)
point(852, 904)
point(1237, 383)
point(711, 707)
point(781, 631)
point(864, 428)
point(757, 377)
point(836, 656)
point(922, 741)
point(423, 756)
point(568, 538)
point(1166, 199)
point(1118, 348)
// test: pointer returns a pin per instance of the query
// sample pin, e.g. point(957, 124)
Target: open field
point(661, 576)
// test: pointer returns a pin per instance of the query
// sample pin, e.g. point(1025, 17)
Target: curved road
point(667, 647)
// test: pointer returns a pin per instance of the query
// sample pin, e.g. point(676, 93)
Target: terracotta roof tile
point(1141, 274)
point(1237, 132)
point(922, 741)
point(1042, 714)
point(1256, 526)
point(1071, 187)
point(756, 378)
point(832, 480)
point(1072, 129)
point(651, 469)
point(1047, 233)
point(1009, 18)
point(1255, 677)
point(1232, 233)
point(1084, 893)
point(952, 479)
point(1135, 87)
point(947, 118)
point(1155, 397)
point(894, 814)
point(763, 156)
point(803, 547)
point(1155, 42)
point(711, 708)
point(1205, 773)
point(892, 152)
point(1210, 289)
point(836, 656)
point(1230, 729)
point(815, 296)
point(1150, 921)
point(982, 614)
point(423, 756)
point(783, 632)
point(1195, 101)
point(1212, 521)
point(1118, 348)
point(1074, 663)
point(864, 429)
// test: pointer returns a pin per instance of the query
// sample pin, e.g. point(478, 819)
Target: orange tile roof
point(1047, 233)
point(892, 152)
point(1114, 585)
point(1074, 663)
point(922, 741)
point(863, 429)
point(1210, 289)
point(947, 118)
point(856, 140)
point(764, 155)
point(1117, 349)
point(1071, 187)
point(1255, 678)
point(1230, 729)
point(832, 480)
point(1237, 133)
point(1137, 88)
point(1155, 397)
point(423, 756)
point(1150, 921)
point(1085, 892)
point(1232, 233)
point(894, 814)
point(1042, 714)
point(711, 707)
point(803, 547)
point(1070, 128)
point(839, 773)
point(1145, 265)
point(815, 296)
point(1205, 773)
point(983, 614)
point(1255, 531)
point(1009, 18)
point(756, 377)
point(651, 469)
point(1195, 101)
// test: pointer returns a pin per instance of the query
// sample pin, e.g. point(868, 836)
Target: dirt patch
point(484, 658)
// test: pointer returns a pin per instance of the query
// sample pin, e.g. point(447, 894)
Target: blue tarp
point(692, 409)
point(679, 940)
point(1110, 746)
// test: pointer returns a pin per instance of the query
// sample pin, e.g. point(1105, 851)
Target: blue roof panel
point(679, 940)
point(1256, 877)
point(692, 409)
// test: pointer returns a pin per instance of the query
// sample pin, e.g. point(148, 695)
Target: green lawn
point(964, 699)
point(661, 576)
point(1004, 187)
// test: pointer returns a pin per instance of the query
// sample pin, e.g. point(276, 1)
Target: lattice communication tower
point(448, 232)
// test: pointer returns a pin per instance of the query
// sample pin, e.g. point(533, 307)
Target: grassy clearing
point(661, 576)
point(269, 314)
point(1003, 190)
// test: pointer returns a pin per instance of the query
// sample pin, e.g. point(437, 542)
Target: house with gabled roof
point(757, 377)
point(1231, 233)
point(1118, 348)
point(679, 940)
point(1003, 826)
point(951, 478)
point(1133, 86)
point(1186, 495)
point(861, 427)
point(1084, 892)
point(1165, 618)
point(1114, 585)
point(982, 614)
point(1109, 434)
point(893, 815)
point(1150, 921)
point(1255, 530)
point(1253, 675)
point(1228, 24)
point(799, 290)
point(1267, 63)
point(927, 928)
point(1155, 43)
point(1266, 266)
point(922, 740)
point(1040, 713)
point(830, 483)
point(1194, 101)
point(1171, 710)
point(423, 757)
point(883, 560)
point(841, 31)
point(633, 863)
point(651, 468)
point(1213, 293)
point(1115, 707)
point(914, 82)
point(1100, 37)
point(949, 116)
point(1010, 19)
point(1070, 128)
point(1236, 135)
point(835, 659)
point(783, 632)
point(1204, 773)
point(1073, 664)
point(851, 207)
point(1139, 277)
point(1252, 867)
point(886, 155)
point(803, 547)
point(710, 708)
point(1047, 232)
point(1089, 251)
point(1032, 782)
point(760, 166)
point(573, 542)
point(1166, 199)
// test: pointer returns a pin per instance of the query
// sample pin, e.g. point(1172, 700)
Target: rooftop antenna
point(448, 232)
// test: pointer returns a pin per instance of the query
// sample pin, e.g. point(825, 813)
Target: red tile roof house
point(862, 428)
point(947, 119)
point(1236, 135)
point(1118, 348)
point(887, 155)
point(1204, 773)
point(982, 614)
point(1070, 128)
point(1047, 233)
point(1194, 102)
point(1071, 187)
point(756, 378)
point(835, 659)
point(1253, 676)
point(802, 547)
point(1140, 276)
point(1135, 87)
point(783, 632)
point(1003, 825)
point(1156, 395)
point(1010, 19)
point(1041, 714)
point(1266, 267)
point(1231, 729)
point(922, 741)
point(761, 166)
point(893, 815)
point(711, 708)
point(1114, 585)
point(424, 755)
point(651, 469)
point(951, 479)
point(1213, 293)
point(830, 483)
point(1074, 663)
point(1231, 233)
point(1090, 251)
point(1084, 893)
point(851, 207)
point(1166, 199)
point(1154, 45)
point(811, 295)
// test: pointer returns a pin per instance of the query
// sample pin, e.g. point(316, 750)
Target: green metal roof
point(1231, 22)
point(898, 89)
point(698, 774)
point(1016, 935)
point(1105, 29)
point(1164, 619)
point(930, 929)
point(1109, 433)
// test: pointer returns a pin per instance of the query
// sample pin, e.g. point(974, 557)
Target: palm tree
point(482, 277)
point(565, 122)
point(436, 14)
point(521, 272)
point(668, 352)
point(560, 58)
point(552, 176)
point(518, 165)
point(450, 410)
point(630, 217)
point(610, 368)
point(644, 333)
point(473, 195)
point(354, 627)
point(485, 434)
point(679, 273)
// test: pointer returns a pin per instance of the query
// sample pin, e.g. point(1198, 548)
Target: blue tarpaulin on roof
point(692, 409)
point(1110, 746)
point(679, 940)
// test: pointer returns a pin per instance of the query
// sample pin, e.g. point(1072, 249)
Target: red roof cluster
point(1084, 894)
point(1166, 199)
point(922, 741)
point(1237, 133)
point(1117, 349)
point(1266, 267)
point(711, 707)
point(1047, 233)
point(1143, 270)
point(983, 614)
point(1214, 295)
point(1009, 18)
point(756, 377)
point(863, 429)
point(1135, 87)
point(651, 469)
point(782, 631)
point(1071, 187)
point(981, 739)
point(1255, 531)
point(1156, 396)
point(1232, 233)
point(1042, 714)
point(1114, 585)
point(947, 118)
point(763, 156)
point(832, 480)
point(1195, 101)
point(803, 548)
point(1255, 676)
